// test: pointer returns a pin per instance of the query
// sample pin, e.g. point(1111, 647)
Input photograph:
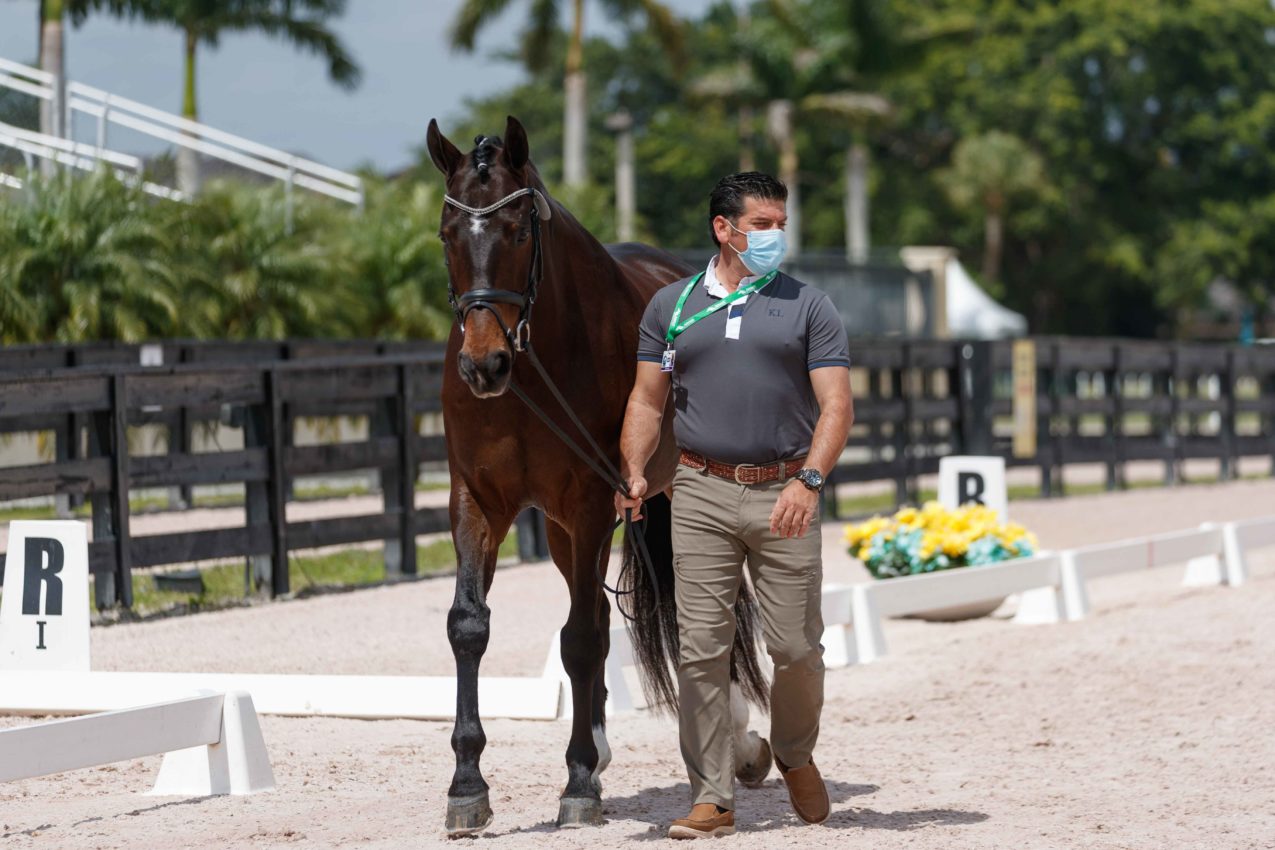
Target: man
point(759, 368)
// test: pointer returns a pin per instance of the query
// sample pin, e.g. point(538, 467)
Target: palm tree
point(85, 259)
point(826, 56)
point(987, 172)
point(52, 60)
point(301, 23)
point(860, 112)
point(538, 41)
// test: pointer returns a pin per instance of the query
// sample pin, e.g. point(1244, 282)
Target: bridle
point(486, 299)
point(519, 340)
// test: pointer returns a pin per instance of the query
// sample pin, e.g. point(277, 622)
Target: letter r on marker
point(44, 560)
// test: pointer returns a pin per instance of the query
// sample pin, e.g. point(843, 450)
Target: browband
point(542, 204)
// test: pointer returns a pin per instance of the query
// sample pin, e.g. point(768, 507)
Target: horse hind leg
point(584, 641)
point(753, 758)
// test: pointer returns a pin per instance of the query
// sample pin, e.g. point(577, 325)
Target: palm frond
point(472, 17)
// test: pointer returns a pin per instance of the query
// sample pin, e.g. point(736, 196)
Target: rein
point(519, 340)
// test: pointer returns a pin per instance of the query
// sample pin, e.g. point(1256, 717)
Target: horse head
point(495, 206)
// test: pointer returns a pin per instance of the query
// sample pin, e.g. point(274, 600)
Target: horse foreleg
point(584, 641)
point(468, 629)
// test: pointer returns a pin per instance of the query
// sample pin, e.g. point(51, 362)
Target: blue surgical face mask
point(765, 250)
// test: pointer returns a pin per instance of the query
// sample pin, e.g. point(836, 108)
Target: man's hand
point(637, 490)
point(794, 511)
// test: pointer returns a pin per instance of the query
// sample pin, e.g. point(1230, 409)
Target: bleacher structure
point(107, 110)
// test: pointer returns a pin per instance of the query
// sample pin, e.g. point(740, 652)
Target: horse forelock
point(486, 148)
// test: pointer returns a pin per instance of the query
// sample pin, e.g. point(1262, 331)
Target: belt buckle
point(744, 466)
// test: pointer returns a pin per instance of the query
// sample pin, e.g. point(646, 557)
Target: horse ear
point(445, 155)
point(516, 149)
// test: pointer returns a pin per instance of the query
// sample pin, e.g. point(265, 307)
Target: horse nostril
point(465, 364)
point(498, 365)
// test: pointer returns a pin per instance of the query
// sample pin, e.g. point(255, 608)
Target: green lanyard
point(676, 327)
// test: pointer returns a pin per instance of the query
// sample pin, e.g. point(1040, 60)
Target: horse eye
point(523, 233)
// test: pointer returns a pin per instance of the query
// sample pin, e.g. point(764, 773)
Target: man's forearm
point(639, 438)
point(831, 432)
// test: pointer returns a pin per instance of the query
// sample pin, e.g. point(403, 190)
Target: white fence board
point(366, 697)
point(911, 594)
point(1147, 552)
point(107, 738)
point(1256, 533)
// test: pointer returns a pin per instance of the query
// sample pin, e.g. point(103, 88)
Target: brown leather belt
point(743, 473)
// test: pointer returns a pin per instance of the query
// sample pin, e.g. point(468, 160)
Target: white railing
point(107, 109)
point(231, 757)
point(76, 155)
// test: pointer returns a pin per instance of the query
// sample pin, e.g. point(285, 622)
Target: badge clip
point(666, 360)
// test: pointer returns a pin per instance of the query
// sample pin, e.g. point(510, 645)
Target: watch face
point(811, 478)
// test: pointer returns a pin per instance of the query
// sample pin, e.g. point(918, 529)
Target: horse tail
point(654, 625)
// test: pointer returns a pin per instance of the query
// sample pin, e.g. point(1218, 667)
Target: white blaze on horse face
point(476, 225)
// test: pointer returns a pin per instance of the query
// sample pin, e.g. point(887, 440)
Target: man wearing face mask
point(759, 368)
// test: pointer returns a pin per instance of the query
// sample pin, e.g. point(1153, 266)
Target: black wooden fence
point(1096, 401)
point(1102, 401)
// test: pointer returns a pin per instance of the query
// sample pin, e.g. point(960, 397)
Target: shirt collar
point(714, 287)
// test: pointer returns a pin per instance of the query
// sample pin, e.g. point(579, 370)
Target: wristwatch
point(811, 477)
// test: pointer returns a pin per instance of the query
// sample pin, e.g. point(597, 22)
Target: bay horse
point(510, 247)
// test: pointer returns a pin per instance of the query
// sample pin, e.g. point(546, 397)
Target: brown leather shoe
point(806, 792)
point(703, 822)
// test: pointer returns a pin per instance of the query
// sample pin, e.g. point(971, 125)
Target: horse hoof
point(752, 775)
point(467, 815)
point(579, 811)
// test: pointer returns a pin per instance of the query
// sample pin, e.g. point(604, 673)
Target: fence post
point(108, 437)
point(901, 429)
point(974, 376)
point(533, 541)
point(1116, 475)
point(1173, 387)
point(394, 416)
point(265, 502)
point(1226, 427)
point(1051, 482)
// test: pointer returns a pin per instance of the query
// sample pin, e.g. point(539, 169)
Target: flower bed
point(932, 538)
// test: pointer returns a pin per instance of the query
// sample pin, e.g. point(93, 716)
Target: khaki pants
point(718, 526)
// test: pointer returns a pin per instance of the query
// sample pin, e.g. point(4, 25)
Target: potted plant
point(915, 541)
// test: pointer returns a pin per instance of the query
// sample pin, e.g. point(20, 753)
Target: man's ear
point(446, 156)
point(517, 151)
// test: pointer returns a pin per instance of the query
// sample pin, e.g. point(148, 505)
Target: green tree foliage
point(89, 258)
point(79, 261)
point(1153, 121)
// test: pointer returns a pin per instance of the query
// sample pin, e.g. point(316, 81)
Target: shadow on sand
point(768, 808)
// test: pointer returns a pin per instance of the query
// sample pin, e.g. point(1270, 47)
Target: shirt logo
point(775, 312)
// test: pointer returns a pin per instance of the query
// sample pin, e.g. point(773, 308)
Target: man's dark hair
point(728, 195)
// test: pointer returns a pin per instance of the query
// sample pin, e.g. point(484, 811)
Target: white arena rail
point(895, 597)
point(84, 157)
point(211, 744)
point(107, 108)
point(363, 697)
point(1142, 553)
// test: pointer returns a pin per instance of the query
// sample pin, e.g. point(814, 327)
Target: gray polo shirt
point(747, 399)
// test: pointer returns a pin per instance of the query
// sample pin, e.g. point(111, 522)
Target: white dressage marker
point(973, 478)
point(44, 618)
point(363, 697)
point(212, 744)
